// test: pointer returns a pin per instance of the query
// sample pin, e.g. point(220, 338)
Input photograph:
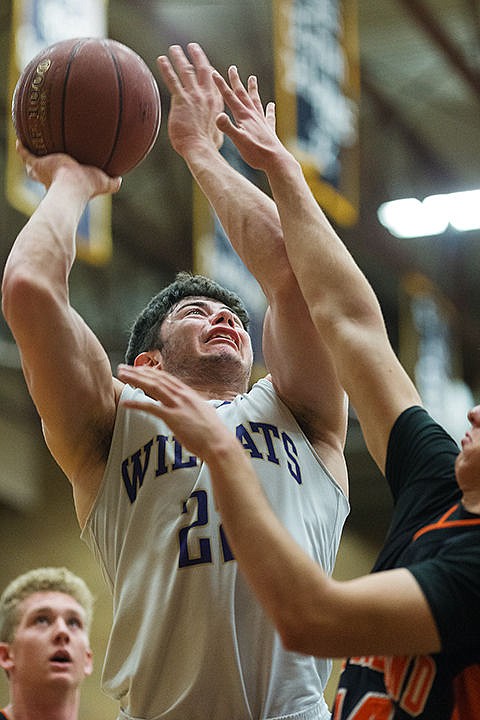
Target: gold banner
point(37, 24)
point(317, 96)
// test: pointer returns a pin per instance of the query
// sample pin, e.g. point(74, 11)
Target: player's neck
point(214, 386)
point(219, 392)
point(38, 709)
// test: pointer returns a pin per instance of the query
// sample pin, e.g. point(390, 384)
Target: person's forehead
point(53, 600)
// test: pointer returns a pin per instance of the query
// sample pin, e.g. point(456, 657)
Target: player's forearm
point(280, 573)
point(313, 613)
point(36, 272)
point(45, 247)
point(333, 285)
point(248, 215)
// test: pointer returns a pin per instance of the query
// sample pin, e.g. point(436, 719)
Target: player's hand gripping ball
point(94, 99)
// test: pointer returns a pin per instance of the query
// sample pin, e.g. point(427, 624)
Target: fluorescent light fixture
point(465, 210)
point(409, 217)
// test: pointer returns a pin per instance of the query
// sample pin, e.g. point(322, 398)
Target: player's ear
point(88, 664)
point(153, 358)
point(6, 659)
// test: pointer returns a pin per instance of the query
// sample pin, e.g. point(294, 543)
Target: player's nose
point(224, 315)
point(61, 629)
point(474, 415)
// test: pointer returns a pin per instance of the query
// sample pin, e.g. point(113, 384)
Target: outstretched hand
point(192, 419)
point(254, 129)
point(195, 102)
point(46, 168)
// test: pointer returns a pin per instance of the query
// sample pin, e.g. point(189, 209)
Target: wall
point(48, 534)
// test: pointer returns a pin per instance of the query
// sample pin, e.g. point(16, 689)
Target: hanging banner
point(37, 24)
point(317, 97)
point(430, 351)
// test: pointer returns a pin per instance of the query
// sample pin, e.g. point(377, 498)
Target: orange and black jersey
point(439, 542)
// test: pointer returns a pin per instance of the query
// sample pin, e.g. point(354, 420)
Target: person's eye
point(75, 622)
point(42, 620)
point(194, 311)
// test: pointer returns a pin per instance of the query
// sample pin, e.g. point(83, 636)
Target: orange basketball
point(94, 99)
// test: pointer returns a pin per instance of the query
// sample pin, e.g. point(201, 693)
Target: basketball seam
point(118, 71)
point(74, 51)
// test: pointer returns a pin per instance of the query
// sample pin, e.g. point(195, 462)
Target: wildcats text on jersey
point(262, 440)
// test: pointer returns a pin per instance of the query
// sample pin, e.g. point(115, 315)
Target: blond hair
point(44, 579)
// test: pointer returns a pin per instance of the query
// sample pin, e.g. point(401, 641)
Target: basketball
point(94, 99)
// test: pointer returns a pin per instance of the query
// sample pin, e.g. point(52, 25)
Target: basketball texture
point(94, 99)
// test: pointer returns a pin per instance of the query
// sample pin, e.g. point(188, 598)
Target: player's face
point(51, 647)
point(201, 332)
point(468, 462)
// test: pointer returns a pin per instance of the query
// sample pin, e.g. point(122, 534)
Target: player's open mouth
point(232, 339)
point(61, 656)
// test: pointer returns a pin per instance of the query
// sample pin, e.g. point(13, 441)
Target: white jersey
point(189, 641)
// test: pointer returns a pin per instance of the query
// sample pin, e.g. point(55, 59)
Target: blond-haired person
point(45, 618)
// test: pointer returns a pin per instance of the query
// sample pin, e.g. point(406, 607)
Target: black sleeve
point(451, 583)
point(418, 447)
point(420, 467)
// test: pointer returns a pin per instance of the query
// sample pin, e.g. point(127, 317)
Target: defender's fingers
point(252, 86)
point(183, 67)
point(270, 115)
point(229, 96)
point(145, 406)
point(237, 85)
point(225, 125)
point(156, 383)
point(201, 63)
point(169, 75)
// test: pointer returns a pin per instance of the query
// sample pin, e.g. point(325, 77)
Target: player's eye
point(75, 622)
point(42, 620)
point(195, 311)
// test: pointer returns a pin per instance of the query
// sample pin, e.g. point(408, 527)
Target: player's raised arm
point(341, 302)
point(67, 371)
point(305, 380)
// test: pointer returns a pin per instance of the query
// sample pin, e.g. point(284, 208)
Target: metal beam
point(393, 114)
point(453, 53)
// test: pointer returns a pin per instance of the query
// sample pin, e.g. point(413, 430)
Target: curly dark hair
point(145, 333)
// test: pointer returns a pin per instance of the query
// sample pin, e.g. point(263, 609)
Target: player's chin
point(222, 350)
point(228, 357)
point(467, 462)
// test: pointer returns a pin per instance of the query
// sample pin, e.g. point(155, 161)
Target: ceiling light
point(409, 217)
